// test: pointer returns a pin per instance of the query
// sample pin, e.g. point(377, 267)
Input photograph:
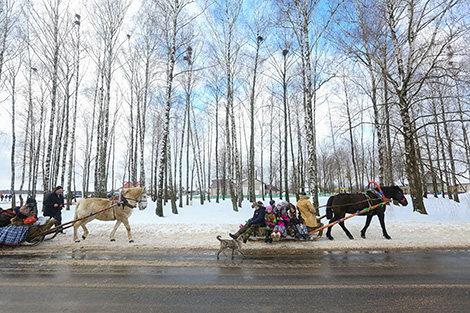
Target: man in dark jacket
point(253, 223)
point(52, 205)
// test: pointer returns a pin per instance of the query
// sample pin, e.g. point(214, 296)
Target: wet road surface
point(194, 281)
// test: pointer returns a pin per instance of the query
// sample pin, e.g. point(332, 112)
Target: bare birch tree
point(107, 21)
point(174, 23)
point(418, 44)
point(227, 13)
point(308, 33)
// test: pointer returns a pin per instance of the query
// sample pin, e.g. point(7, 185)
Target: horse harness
point(123, 202)
point(369, 199)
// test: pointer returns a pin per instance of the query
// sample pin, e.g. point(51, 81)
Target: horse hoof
point(77, 241)
point(387, 237)
point(351, 237)
point(113, 239)
point(131, 241)
point(363, 236)
point(331, 238)
point(83, 237)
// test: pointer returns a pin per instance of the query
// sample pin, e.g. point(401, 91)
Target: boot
point(268, 236)
point(245, 238)
point(234, 236)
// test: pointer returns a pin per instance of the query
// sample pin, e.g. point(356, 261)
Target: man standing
point(52, 205)
point(307, 211)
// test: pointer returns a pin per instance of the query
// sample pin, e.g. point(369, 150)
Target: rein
point(56, 229)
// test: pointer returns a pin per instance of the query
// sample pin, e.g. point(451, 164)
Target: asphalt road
point(194, 281)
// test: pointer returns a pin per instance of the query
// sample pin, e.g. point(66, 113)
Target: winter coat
point(307, 211)
point(293, 219)
point(49, 201)
point(270, 220)
point(258, 217)
point(281, 212)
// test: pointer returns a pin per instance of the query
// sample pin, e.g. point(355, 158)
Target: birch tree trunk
point(27, 139)
point(418, 46)
point(109, 20)
point(74, 116)
point(251, 162)
point(54, 80)
point(171, 60)
point(453, 179)
point(8, 18)
point(13, 137)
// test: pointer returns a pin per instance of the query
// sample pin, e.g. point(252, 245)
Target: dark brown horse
point(340, 204)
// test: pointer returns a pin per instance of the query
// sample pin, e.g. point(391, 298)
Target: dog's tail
point(219, 237)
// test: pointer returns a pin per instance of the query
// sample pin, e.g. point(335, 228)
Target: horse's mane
point(133, 192)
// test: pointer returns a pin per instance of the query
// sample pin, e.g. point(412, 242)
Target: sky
point(447, 226)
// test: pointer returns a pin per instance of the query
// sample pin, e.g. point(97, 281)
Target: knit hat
point(58, 187)
point(30, 200)
point(272, 202)
point(269, 208)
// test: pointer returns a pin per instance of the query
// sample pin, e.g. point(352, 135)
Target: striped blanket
point(13, 235)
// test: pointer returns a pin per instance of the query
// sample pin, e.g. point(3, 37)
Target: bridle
point(125, 201)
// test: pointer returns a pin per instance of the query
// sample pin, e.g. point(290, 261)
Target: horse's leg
point(75, 227)
point(85, 230)
point(328, 232)
point(382, 223)
point(363, 231)
point(111, 236)
point(125, 221)
point(346, 230)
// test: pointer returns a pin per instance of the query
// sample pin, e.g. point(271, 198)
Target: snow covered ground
point(447, 226)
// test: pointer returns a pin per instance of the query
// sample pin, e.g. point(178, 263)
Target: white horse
point(118, 210)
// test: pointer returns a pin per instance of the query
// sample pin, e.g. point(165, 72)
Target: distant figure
point(9, 197)
point(53, 203)
point(2, 197)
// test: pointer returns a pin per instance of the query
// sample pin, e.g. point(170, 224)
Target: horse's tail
point(329, 208)
point(75, 215)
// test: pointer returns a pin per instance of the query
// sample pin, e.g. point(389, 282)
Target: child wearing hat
point(270, 221)
point(282, 218)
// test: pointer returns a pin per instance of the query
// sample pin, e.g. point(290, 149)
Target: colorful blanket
point(13, 235)
point(6, 216)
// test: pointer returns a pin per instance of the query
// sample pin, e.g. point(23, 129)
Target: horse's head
point(143, 201)
point(395, 193)
point(137, 195)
